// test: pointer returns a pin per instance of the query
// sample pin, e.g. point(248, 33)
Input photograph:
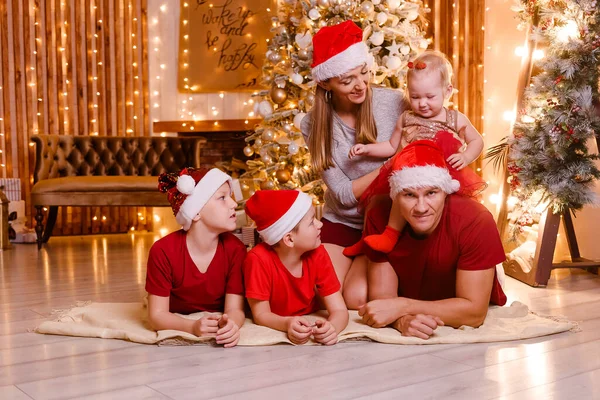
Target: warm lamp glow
point(568, 32)
point(509, 116)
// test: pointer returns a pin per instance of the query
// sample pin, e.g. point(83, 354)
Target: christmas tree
point(393, 29)
point(548, 159)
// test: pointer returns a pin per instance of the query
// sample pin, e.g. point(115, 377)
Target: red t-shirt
point(267, 278)
point(466, 238)
point(171, 272)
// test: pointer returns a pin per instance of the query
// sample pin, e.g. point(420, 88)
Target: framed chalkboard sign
point(222, 44)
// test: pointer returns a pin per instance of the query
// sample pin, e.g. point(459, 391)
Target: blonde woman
point(347, 111)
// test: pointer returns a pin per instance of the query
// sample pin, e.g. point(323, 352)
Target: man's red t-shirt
point(268, 279)
point(466, 238)
point(172, 273)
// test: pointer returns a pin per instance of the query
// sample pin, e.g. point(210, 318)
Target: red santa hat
point(421, 164)
point(189, 190)
point(338, 49)
point(276, 212)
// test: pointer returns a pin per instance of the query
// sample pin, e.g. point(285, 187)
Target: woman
point(347, 111)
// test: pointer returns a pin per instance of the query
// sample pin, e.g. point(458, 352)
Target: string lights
point(193, 106)
point(185, 58)
point(157, 74)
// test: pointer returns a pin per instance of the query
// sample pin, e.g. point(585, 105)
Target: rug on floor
point(128, 321)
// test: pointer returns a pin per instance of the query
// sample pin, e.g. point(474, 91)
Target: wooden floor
point(112, 268)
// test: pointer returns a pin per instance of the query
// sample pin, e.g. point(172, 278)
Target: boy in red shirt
point(281, 273)
point(198, 268)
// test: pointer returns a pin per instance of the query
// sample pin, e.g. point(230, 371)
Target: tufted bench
point(104, 171)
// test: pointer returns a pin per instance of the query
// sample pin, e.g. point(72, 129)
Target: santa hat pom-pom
point(454, 186)
point(186, 184)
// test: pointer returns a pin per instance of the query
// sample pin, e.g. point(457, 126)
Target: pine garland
point(548, 156)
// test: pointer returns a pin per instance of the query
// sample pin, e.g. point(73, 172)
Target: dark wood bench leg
point(39, 226)
point(50, 223)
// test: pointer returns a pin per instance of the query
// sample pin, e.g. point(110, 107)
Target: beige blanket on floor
point(128, 321)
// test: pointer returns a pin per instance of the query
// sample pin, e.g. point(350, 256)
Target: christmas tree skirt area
point(127, 321)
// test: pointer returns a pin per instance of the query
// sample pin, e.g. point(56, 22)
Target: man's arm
point(469, 307)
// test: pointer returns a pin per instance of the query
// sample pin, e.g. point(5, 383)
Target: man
point(442, 269)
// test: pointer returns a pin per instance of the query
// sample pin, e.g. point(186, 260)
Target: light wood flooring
point(112, 269)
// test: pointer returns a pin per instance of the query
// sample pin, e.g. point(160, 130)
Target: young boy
point(281, 274)
point(198, 268)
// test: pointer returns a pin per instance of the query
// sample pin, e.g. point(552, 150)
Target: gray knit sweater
point(340, 203)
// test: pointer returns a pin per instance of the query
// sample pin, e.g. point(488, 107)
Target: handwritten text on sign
point(226, 44)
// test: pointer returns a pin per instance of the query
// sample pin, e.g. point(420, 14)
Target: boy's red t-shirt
point(172, 273)
point(267, 279)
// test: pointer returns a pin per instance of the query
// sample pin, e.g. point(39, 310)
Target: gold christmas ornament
point(303, 54)
point(248, 151)
point(278, 95)
point(366, 7)
point(266, 159)
point(258, 143)
point(297, 79)
point(268, 135)
point(267, 185)
point(293, 148)
point(283, 175)
point(274, 57)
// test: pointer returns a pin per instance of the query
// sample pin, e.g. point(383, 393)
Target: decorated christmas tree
point(393, 29)
point(548, 159)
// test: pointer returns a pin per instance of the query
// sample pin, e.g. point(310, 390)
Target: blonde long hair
point(320, 141)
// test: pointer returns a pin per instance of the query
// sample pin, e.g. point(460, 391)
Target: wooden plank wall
point(72, 67)
point(458, 30)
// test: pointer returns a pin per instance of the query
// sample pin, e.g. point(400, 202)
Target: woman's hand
point(358, 150)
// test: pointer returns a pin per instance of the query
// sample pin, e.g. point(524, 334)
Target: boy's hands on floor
point(299, 330)
point(324, 332)
point(206, 326)
point(228, 333)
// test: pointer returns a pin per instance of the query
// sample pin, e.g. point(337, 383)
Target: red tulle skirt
point(471, 184)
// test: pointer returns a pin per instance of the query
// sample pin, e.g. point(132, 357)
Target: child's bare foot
point(384, 242)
